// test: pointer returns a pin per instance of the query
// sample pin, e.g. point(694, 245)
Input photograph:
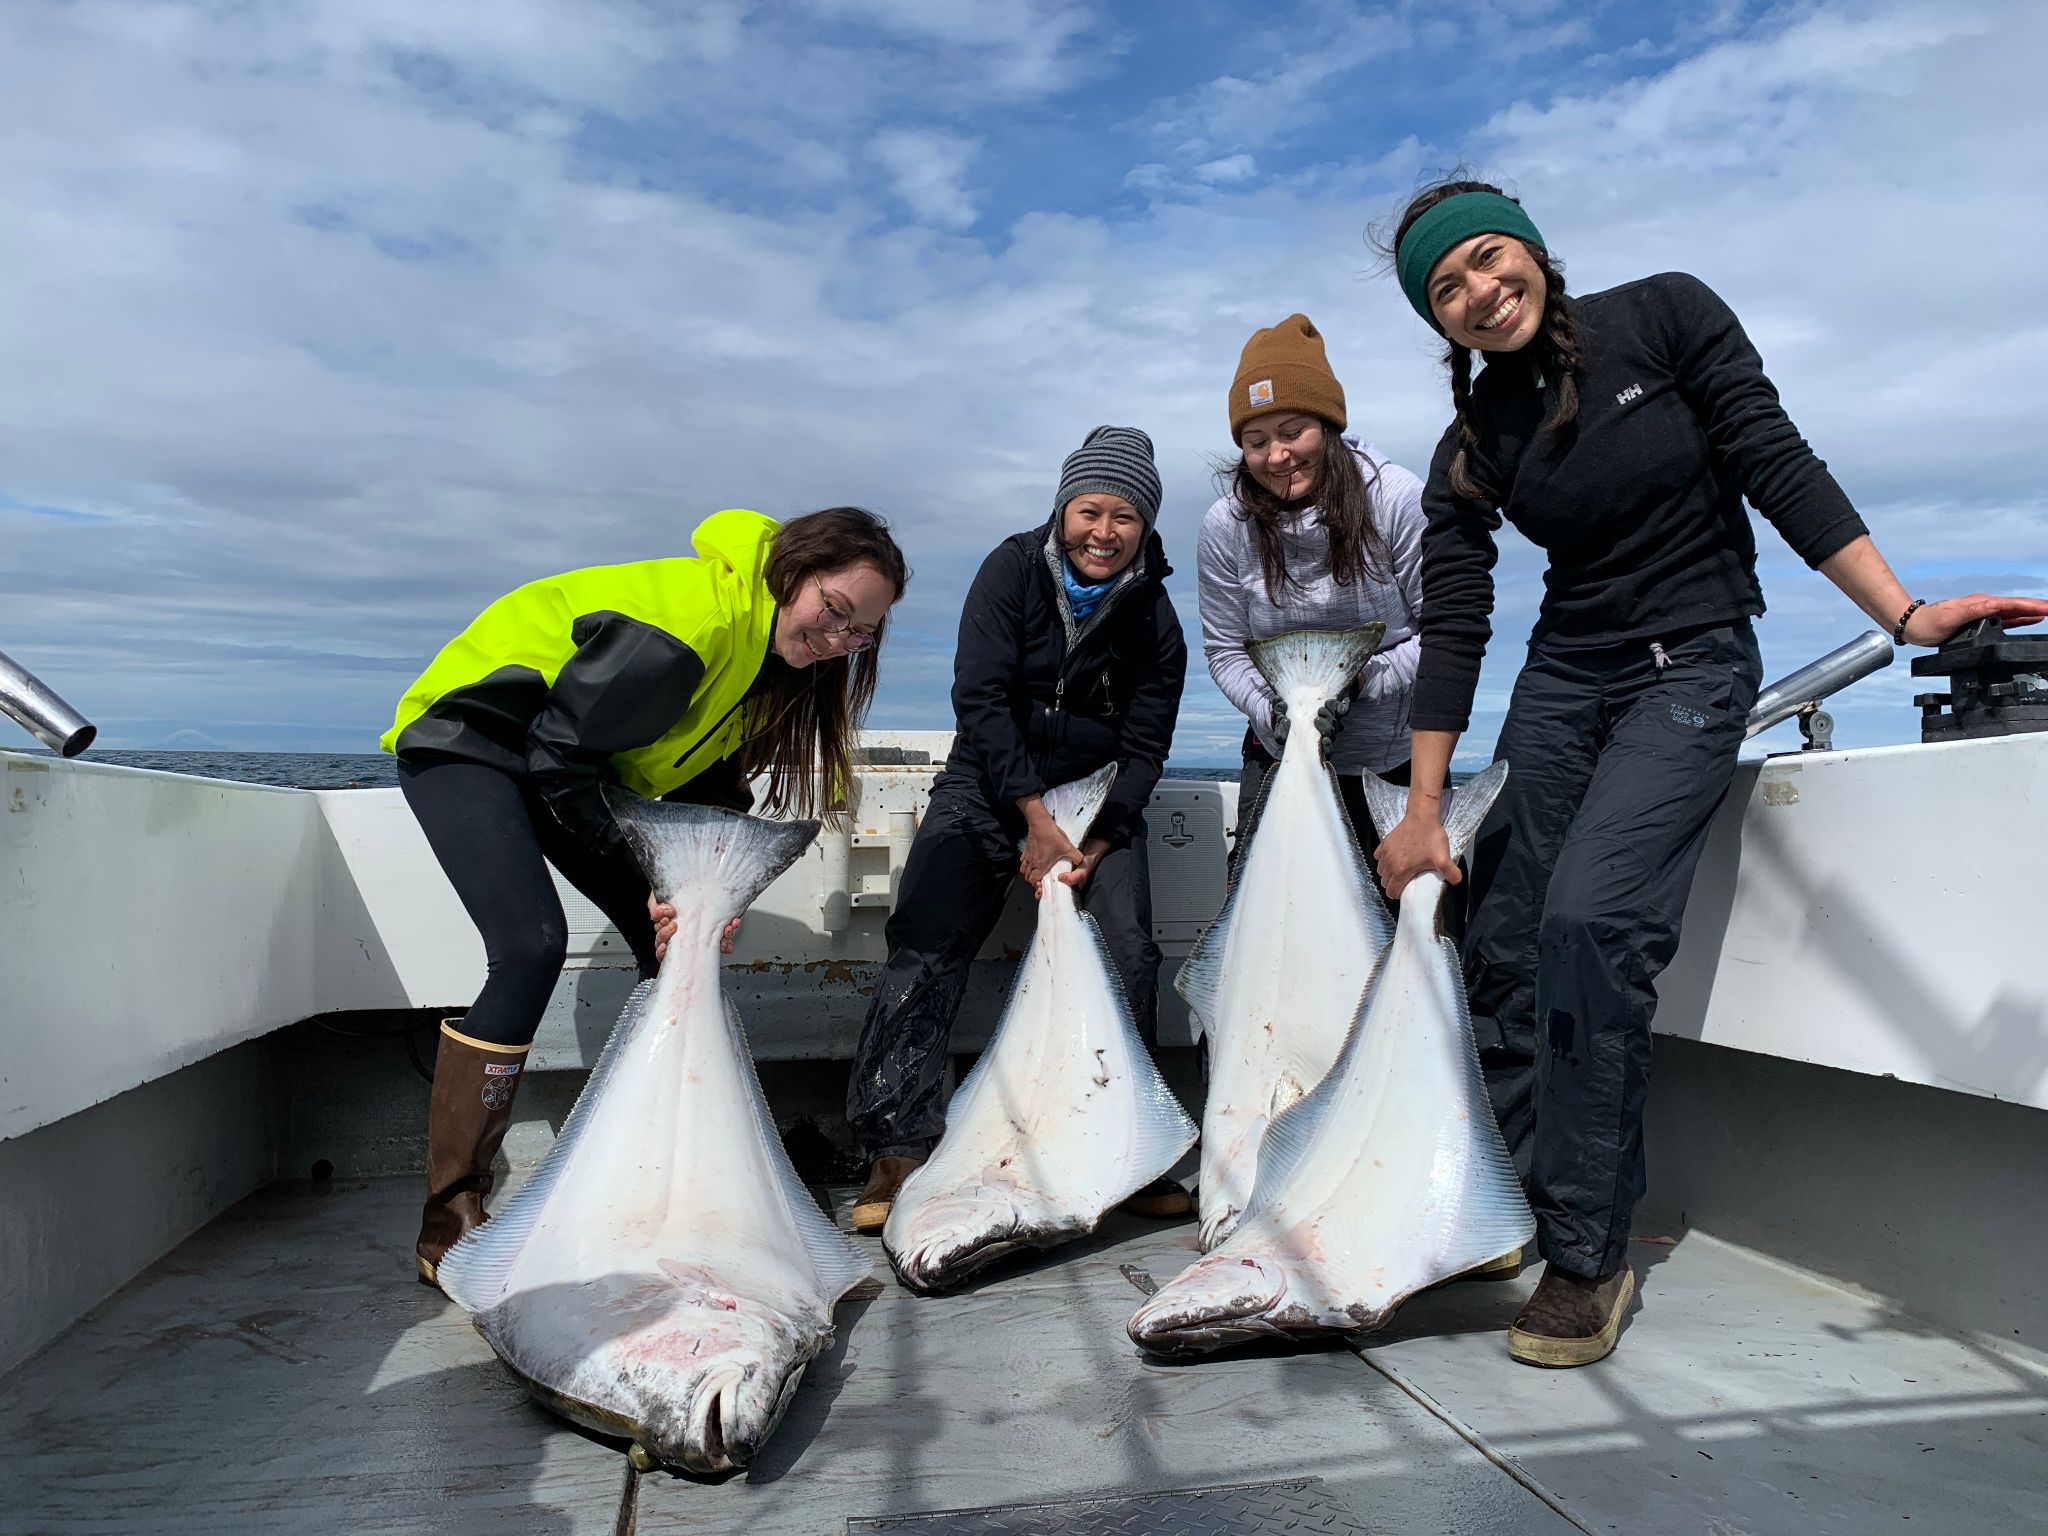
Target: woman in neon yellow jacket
point(681, 678)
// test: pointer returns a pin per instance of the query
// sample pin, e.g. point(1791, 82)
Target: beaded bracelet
point(1899, 629)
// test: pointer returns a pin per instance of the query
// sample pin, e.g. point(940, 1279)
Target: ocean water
point(366, 770)
point(291, 770)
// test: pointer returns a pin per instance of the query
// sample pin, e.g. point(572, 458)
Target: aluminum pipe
point(1867, 653)
point(37, 710)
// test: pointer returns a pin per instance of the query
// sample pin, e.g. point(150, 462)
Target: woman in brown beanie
point(1314, 530)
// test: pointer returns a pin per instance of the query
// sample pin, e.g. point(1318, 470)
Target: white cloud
point(1231, 168)
point(1236, 113)
point(1022, 49)
point(928, 171)
point(336, 352)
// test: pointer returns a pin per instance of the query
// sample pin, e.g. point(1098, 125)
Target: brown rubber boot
point(1161, 1200)
point(885, 1177)
point(1506, 1267)
point(1569, 1321)
point(474, 1084)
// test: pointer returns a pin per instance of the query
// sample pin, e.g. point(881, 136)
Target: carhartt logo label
point(1633, 392)
point(1262, 392)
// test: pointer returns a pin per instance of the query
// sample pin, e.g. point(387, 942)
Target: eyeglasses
point(833, 622)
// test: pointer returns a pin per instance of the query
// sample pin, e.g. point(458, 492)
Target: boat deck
point(279, 1371)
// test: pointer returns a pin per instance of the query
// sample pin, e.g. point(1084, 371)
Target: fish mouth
point(1216, 1227)
point(1221, 1300)
point(730, 1412)
point(949, 1240)
point(944, 1260)
point(944, 1264)
point(705, 1437)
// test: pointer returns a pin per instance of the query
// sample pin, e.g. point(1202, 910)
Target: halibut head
point(1388, 1177)
point(1064, 1114)
point(1276, 979)
point(664, 1275)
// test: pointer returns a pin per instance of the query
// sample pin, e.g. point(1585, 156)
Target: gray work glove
point(1332, 711)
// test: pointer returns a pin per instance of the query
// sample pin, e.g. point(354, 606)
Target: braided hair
point(1555, 347)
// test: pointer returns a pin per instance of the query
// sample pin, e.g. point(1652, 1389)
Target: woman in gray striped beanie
point(1070, 657)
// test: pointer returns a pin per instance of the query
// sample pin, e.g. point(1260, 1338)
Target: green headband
point(1449, 223)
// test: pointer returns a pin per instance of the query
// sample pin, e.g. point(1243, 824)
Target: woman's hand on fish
point(663, 916)
point(1416, 846)
point(1044, 844)
point(1332, 714)
point(1328, 717)
point(1092, 850)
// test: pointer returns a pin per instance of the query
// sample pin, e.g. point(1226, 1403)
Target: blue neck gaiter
point(1083, 596)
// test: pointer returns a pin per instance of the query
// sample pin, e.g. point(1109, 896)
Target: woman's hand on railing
point(1936, 622)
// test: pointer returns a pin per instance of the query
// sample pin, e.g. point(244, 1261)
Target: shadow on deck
point(281, 1371)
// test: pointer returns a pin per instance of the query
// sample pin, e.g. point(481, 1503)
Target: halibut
point(1276, 980)
point(1390, 1176)
point(1064, 1115)
point(664, 1275)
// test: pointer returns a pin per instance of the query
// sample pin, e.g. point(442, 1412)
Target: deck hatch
point(1244, 1509)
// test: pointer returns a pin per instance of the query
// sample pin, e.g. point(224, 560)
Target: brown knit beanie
point(1283, 369)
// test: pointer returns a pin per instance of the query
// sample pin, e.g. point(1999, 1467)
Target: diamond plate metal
point(1298, 1508)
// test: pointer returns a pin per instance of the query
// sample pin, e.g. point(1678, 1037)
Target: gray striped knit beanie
point(1115, 461)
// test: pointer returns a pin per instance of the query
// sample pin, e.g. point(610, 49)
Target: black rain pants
point(961, 867)
point(495, 838)
point(1617, 758)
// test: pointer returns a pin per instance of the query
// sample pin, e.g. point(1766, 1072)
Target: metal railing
point(38, 710)
point(1801, 693)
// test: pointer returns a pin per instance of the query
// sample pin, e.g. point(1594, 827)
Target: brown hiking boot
point(1161, 1200)
point(471, 1108)
point(885, 1177)
point(1570, 1321)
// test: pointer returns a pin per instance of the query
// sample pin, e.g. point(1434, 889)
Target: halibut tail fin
point(1464, 809)
point(707, 849)
point(1323, 659)
point(1075, 806)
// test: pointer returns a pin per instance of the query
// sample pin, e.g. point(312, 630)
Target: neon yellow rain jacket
point(635, 674)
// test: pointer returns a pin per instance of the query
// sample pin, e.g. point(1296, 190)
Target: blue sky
point(325, 324)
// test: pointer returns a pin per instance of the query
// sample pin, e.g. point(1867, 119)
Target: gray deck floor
point(281, 1372)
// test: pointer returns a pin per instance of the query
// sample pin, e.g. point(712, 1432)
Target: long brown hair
point(1343, 498)
point(806, 724)
point(1555, 350)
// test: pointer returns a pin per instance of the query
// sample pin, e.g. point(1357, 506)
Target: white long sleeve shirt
point(1236, 609)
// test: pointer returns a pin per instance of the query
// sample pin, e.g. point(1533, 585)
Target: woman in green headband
point(1621, 433)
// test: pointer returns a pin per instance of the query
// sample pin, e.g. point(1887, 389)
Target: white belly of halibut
point(1064, 1115)
point(1387, 1178)
point(664, 1275)
point(1276, 981)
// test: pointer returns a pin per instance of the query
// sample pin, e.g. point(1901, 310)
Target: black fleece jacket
point(1638, 501)
point(1031, 714)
